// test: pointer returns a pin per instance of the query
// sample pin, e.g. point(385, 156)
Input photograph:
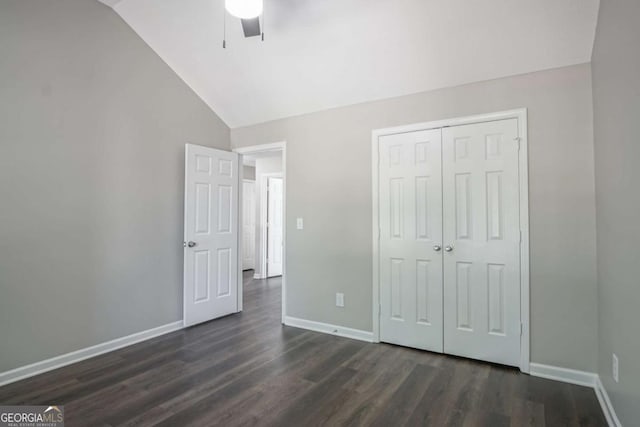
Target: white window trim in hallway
point(521, 116)
point(265, 148)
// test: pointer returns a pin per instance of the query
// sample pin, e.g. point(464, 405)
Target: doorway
point(450, 242)
point(266, 164)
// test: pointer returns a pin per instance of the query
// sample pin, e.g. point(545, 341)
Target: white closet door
point(210, 234)
point(248, 224)
point(410, 212)
point(275, 227)
point(481, 226)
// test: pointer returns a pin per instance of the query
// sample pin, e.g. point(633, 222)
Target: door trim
point(264, 148)
point(521, 116)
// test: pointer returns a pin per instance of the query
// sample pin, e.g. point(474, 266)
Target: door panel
point(410, 212)
point(274, 226)
point(211, 229)
point(481, 224)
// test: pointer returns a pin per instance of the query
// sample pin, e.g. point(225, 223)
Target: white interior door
point(482, 241)
point(410, 263)
point(275, 219)
point(248, 224)
point(211, 234)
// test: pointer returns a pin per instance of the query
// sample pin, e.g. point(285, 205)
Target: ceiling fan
point(249, 12)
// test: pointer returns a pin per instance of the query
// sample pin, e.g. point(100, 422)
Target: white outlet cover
point(299, 223)
point(339, 300)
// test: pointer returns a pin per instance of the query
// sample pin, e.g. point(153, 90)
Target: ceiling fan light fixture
point(244, 9)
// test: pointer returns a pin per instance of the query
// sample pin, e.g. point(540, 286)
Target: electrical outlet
point(339, 300)
point(616, 368)
point(299, 223)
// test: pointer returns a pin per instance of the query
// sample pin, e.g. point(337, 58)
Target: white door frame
point(264, 218)
point(521, 116)
point(265, 148)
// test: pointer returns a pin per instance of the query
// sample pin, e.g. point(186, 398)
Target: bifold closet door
point(410, 212)
point(482, 241)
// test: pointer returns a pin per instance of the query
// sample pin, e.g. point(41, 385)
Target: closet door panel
point(482, 241)
point(410, 212)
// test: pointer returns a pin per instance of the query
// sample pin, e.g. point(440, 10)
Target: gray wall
point(616, 95)
point(329, 185)
point(249, 172)
point(92, 132)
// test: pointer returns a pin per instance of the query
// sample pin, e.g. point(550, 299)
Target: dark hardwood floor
point(247, 369)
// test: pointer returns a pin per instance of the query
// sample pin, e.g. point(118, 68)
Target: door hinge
point(521, 329)
point(520, 236)
point(517, 140)
point(379, 310)
point(379, 232)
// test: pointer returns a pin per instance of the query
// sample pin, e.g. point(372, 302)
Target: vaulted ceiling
point(320, 54)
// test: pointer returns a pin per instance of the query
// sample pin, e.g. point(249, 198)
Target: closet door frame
point(521, 116)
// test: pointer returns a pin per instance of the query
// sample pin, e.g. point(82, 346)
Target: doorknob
point(437, 248)
point(448, 248)
point(191, 244)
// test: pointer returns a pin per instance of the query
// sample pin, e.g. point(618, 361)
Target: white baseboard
point(588, 379)
point(605, 403)
point(565, 375)
point(327, 328)
point(85, 353)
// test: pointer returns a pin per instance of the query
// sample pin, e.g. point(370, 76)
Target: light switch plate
point(299, 224)
point(339, 299)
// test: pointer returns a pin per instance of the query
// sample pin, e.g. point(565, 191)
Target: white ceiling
point(320, 54)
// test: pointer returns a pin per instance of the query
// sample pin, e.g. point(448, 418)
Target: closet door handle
point(448, 248)
point(437, 248)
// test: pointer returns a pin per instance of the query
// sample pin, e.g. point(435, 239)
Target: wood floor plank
point(248, 370)
point(526, 413)
point(587, 414)
point(404, 401)
point(318, 403)
point(328, 365)
point(370, 392)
